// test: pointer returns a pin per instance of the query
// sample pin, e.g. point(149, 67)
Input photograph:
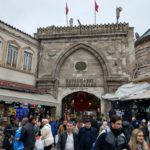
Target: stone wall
point(94, 59)
point(142, 54)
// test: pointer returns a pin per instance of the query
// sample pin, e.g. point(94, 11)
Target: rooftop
point(84, 30)
point(2, 22)
point(143, 39)
point(20, 87)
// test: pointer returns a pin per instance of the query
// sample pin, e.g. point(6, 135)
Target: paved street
point(53, 148)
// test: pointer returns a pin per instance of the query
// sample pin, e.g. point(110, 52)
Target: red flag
point(67, 9)
point(96, 7)
point(81, 103)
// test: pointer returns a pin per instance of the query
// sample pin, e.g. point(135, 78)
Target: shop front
point(131, 99)
point(20, 103)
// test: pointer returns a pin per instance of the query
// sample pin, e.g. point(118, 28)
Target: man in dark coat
point(68, 140)
point(9, 132)
point(112, 139)
point(87, 136)
point(28, 134)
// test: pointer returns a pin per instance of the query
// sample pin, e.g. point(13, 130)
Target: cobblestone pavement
point(54, 148)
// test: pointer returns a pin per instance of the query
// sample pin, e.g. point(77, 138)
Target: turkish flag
point(96, 6)
point(67, 9)
point(81, 103)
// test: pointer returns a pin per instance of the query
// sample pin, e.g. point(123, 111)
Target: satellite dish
point(137, 35)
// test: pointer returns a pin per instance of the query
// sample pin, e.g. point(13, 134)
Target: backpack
point(103, 131)
point(18, 145)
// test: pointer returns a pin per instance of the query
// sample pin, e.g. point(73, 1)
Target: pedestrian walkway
point(54, 148)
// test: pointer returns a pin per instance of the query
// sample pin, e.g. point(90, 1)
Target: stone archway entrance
point(80, 104)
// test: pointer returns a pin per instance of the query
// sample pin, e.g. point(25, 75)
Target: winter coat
point(62, 141)
point(28, 136)
point(108, 141)
point(17, 144)
point(46, 135)
point(85, 135)
point(54, 126)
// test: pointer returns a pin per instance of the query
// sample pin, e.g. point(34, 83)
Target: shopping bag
point(56, 138)
point(39, 145)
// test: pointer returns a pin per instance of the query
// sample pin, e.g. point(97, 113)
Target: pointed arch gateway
point(91, 80)
point(99, 56)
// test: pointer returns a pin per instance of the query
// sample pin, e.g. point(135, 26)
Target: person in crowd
point(148, 126)
point(104, 126)
point(17, 144)
point(113, 139)
point(144, 128)
point(78, 126)
point(37, 126)
point(28, 134)
point(87, 135)
point(99, 121)
point(112, 112)
point(135, 122)
point(54, 125)
point(46, 134)
point(62, 128)
point(137, 141)
point(9, 132)
point(127, 129)
point(68, 140)
point(93, 121)
point(127, 115)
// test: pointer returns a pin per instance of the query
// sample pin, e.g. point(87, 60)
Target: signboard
point(80, 83)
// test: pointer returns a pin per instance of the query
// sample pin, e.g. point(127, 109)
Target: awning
point(143, 95)
point(128, 90)
point(14, 96)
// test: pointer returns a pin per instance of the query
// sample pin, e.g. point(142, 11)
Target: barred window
point(27, 61)
point(12, 56)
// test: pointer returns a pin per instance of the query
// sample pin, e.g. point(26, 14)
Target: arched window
point(12, 55)
point(27, 60)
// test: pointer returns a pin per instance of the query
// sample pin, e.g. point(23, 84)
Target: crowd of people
point(87, 133)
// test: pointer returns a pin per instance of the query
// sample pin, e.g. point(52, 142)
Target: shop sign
point(80, 83)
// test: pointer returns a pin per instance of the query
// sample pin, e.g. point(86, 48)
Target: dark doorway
point(80, 103)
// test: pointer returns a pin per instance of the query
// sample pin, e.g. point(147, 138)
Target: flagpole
point(67, 19)
point(96, 9)
point(94, 12)
point(95, 17)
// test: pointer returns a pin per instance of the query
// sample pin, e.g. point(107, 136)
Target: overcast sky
point(28, 15)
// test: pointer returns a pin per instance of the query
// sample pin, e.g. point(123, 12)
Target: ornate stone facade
point(95, 59)
point(142, 54)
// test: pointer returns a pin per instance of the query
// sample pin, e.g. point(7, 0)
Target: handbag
point(39, 145)
point(56, 138)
